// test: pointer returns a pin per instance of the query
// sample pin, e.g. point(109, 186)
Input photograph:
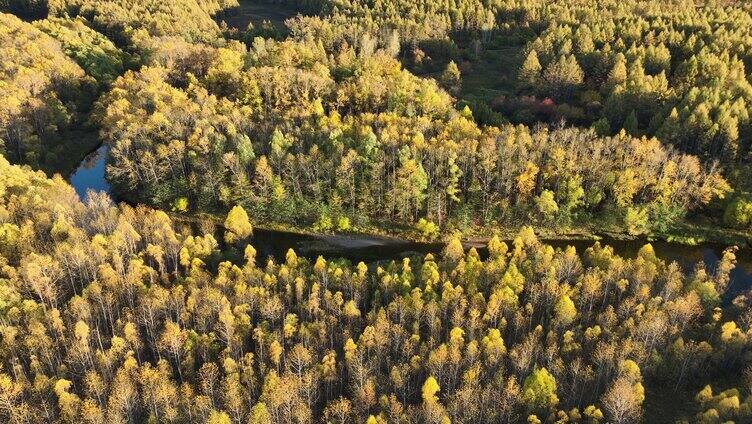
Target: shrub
point(427, 229)
point(343, 223)
point(738, 213)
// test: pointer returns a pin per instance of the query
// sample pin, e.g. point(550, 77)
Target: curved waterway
point(90, 175)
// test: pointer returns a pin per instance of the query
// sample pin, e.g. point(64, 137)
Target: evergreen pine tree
point(618, 73)
point(631, 125)
point(451, 78)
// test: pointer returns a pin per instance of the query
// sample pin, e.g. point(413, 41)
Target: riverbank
point(389, 241)
point(385, 232)
point(275, 241)
point(73, 149)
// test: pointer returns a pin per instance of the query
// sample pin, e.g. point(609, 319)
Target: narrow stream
point(90, 175)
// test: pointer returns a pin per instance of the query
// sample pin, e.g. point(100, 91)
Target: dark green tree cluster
point(115, 314)
point(94, 52)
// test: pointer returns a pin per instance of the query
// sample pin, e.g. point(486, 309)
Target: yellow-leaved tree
point(237, 225)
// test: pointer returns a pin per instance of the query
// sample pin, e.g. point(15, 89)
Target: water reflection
point(90, 174)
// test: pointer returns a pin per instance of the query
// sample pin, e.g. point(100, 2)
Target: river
point(90, 175)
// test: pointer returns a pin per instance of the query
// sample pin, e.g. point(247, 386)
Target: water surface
point(90, 174)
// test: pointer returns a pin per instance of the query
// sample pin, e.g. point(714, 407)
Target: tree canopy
point(433, 120)
point(287, 132)
point(114, 313)
point(41, 90)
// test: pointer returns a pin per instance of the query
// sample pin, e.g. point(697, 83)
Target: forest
point(332, 127)
point(122, 314)
point(489, 127)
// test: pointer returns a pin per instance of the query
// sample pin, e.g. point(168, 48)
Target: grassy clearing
point(492, 76)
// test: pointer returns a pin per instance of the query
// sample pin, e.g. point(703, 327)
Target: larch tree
point(237, 225)
point(539, 390)
point(530, 72)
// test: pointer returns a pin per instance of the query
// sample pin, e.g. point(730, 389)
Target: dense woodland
point(630, 117)
point(677, 70)
point(119, 314)
point(42, 92)
point(329, 128)
point(356, 138)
